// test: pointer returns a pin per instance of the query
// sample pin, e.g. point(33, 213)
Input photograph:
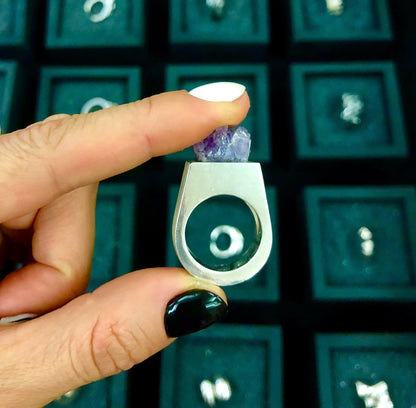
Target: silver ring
point(96, 102)
point(216, 7)
point(352, 108)
point(236, 241)
point(204, 180)
point(106, 10)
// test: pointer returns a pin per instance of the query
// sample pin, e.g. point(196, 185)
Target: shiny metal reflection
point(107, 8)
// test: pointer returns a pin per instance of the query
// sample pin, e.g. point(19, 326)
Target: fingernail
point(192, 311)
point(219, 91)
point(5, 321)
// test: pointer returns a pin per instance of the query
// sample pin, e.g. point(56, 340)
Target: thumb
point(102, 333)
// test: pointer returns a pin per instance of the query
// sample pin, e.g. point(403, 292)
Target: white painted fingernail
point(15, 319)
point(219, 91)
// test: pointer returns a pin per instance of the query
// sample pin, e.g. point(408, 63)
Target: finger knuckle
point(113, 347)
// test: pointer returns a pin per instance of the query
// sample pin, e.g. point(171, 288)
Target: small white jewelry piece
point(217, 7)
point(107, 8)
point(375, 396)
point(67, 397)
point(367, 245)
point(335, 7)
point(353, 107)
point(97, 102)
point(236, 241)
point(220, 390)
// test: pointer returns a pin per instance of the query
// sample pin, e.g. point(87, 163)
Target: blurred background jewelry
point(106, 9)
point(236, 241)
point(375, 396)
point(96, 102)
point(219, 390)
point(335, 7)
point(216, 7)
point(353, 107)
point(367, 244)
point(67, 398)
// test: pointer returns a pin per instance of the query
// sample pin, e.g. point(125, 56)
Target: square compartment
point(15, 26)
point(69, 26)
point(66, 90)
point(109, 393)
point(341, 269)
point(249, 357)
point(263, 287)
point(8, 90)
point(114, 236)
point(320, 131)
point(343, 359)
point(242, 22)
point(360, 20)
point(253, 76)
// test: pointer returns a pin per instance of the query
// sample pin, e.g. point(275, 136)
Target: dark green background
point(299, 316)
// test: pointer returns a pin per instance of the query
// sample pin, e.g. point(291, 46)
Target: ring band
point(96, 102)
point(107, 9)
point(204, 180)
point(236, 241)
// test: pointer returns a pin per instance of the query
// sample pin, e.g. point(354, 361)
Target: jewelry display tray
point(304, 330)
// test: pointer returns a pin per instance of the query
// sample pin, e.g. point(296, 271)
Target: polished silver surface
point(201, 181)
point(375, 396)
point(106, 9)
point(236, 241)
point(335, 7)
point(352, 108)
point(96, 102)
point(216, 7)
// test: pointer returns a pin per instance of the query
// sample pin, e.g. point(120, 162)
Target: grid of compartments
point(332, 119)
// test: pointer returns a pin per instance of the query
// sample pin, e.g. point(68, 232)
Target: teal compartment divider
point(66, 89)
point(340, 271)
point(362, 20)
point(317, 104)
point(8, 89)
point(15, 23)
point(243, 22)
point(254, 77)
point(343, 359)
point(113, 253)
point(68, 26)
point(264, 287)
point(248, 356)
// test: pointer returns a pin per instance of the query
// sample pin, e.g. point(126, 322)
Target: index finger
point(48, 159)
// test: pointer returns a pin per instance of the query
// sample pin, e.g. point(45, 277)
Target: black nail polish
point(192, 311)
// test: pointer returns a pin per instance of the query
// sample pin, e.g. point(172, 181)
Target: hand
point(49, 174)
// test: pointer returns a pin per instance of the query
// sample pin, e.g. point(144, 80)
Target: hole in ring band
point(223, 233)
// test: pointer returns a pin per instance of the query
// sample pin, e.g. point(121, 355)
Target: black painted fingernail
point(192, 311)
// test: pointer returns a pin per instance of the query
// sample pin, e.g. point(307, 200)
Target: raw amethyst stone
point(224, 145)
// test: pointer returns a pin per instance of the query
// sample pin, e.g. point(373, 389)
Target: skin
point(49, 173)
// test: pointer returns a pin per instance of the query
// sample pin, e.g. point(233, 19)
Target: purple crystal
point(224, 145)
